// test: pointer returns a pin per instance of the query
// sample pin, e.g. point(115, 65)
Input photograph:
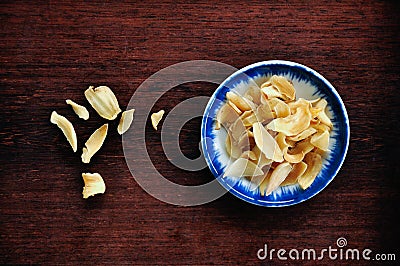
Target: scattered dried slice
point(125, 121)
point(266, 143)
point(293, 124)
point(261, 160)
point(280, 108)
point(94, 184)
point(304, 134)
point(292, 158)
point(314, 166)
point(234, 151)
point(277, 177)
point(249, 155)
point(322, 115)
point(264, 113)
point(298, 170)
point(156, 118)
point(66, 127)
point(234, 107)
point(226, 116)
point(284, 87)
point(94, 143)
point(242, 103)
point(80, 110)
point(320, 140)
point(270, 92)
point(243, 167)
point(103, 100)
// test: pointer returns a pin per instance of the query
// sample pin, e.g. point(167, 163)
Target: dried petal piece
point(242, 103)
point(303, 135)
point(321, 140)
point(80, 110)
point(292, 124)
point(264, 113)
point(156, 118)
point(263, 185)
point(277, 177)
point(66, 127)
point(292, 158)
point(254, 93)
point(234, 107)
point(103, 100)
point(281, 140)
point(297, 171)
point(284, 87)
point(234, 151)
point(125, 121)
point(94, 184)
point(249, 155)
point(280, 108)
point(322, 115)
point(266, 143)
point(270, 92)
point(303, 146)
point(314, 166)
point(226, 116)
point(94, 143)
point(236, 130)
point(243, 167)
point(261, 160)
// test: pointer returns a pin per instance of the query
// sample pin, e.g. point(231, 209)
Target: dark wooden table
point(53, 51)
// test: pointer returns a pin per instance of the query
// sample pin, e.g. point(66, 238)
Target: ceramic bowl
point(309, 85)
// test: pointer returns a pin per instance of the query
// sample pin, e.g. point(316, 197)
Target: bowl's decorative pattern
point(309, 85)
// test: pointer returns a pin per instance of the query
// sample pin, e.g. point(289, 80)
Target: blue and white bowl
point(309, 85)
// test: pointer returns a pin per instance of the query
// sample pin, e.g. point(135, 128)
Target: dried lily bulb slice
point(260, 160)
point(103, 100)
point(226, 116)
point(80, 110)
point(293, 124)
point(156, 118)
point(282, 141)
point(322, 115)
point(234, 151)
point(249, 155)
point(94, 143)
point(314, 166)
point(66, 127)
point(292, 158)
point(242, 103)
point(264, 113)
point(284, 87)
point(254, 93)
point(94, 184)
point(278, 175)
point(303, 135)
point(125, 121)
point(297, 171)
point(236, 130)
point(266, 143)
point(234, 107)
point(263, 185)
point(280, 108)
point(270, 91)
point(243, 167)
point(321, 140)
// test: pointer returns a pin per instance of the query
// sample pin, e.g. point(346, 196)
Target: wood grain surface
point(54, 50)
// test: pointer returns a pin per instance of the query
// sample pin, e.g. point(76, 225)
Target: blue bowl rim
point(268, 63)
